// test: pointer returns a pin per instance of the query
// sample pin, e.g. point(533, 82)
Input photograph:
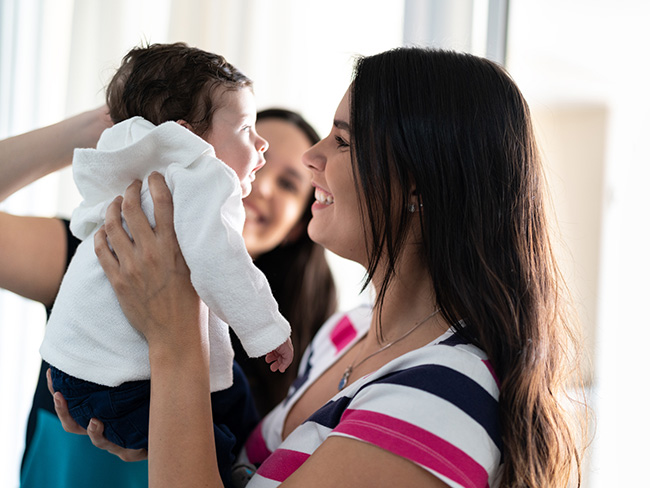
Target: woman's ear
point(414, 199)
point(413, 192)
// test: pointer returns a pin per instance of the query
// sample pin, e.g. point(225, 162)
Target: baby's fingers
point(277, 362)
point(272, 359)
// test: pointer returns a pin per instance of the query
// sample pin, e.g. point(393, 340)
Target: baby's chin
point(246, 187)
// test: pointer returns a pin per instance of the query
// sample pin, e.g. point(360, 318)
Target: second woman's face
point(281, 191)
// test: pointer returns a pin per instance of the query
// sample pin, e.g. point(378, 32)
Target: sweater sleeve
point(209, 218)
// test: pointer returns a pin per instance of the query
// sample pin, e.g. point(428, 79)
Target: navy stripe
point(302, 379)
point(454, 340)
point(454, 387)
point(329, 415)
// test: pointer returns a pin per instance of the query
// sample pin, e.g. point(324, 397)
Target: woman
point(455, 378)
point(34, 253)
point(277, 212)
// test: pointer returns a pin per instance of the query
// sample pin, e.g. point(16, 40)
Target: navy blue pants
point(124, 411)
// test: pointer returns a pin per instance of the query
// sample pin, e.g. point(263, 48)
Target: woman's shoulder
point(342, 328)
point(448, 369)
point(450, 356)
point(437, 406)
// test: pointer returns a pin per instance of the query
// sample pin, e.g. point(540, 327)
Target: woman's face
point(336, 223)
point(281, 191)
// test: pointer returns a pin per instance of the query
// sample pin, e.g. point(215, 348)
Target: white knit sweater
point(87, 335)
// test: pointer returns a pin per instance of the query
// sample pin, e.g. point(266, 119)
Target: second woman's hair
point(301, 282)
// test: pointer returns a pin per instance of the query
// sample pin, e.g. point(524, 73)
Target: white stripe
point(432, 414)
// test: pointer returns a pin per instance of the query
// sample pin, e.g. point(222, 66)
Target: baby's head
point(199, 90)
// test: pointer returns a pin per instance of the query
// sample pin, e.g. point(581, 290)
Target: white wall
point(568, 56)
point(57, 55)
point(582, 64)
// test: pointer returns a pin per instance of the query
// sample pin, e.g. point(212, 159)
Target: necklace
point(348, 371)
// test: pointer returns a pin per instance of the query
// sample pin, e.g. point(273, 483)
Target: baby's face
point(233, 135)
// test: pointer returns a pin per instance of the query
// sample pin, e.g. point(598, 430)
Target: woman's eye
point(288, 185)
point(246, 128)
point(340, 142)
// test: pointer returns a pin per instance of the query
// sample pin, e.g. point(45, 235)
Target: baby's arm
point(281, 357)
point(209, 235)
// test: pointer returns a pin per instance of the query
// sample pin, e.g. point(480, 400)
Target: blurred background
point(581, 64)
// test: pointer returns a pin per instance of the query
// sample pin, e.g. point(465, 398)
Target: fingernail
point(92, 425)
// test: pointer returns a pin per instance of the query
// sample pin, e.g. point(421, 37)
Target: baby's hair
point(171, 82)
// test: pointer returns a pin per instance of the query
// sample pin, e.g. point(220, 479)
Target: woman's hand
point(152, 284)
point(148, 272)
point(95, 429)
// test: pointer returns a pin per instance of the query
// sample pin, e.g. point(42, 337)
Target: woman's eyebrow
point(294, 173)
point(340, 124)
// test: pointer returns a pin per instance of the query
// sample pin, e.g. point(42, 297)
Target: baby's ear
point(185, 124)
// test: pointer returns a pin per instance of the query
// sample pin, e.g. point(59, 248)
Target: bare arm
point(30, 156)
point(33, 254)
point(152, 283)
point(165, 308)
point(33, 250)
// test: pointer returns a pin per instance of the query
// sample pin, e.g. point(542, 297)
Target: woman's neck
point(409, 299)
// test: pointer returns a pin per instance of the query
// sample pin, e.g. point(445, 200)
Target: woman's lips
point(253, 214)
point(323, 197)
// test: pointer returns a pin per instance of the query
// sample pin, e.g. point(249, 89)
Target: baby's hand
point(281, 357)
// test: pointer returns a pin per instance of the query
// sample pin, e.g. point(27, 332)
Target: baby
point(190, 116)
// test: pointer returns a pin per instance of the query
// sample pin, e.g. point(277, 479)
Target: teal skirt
point(58, 459)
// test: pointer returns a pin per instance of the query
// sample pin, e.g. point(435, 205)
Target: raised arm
point(33, 250)
point(27, 157)
point(163, 305)
point(153, 285)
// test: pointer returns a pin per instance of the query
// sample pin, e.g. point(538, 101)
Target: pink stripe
point(256, 449)
point(342, 333)
point(488, 364)
point(282, 464)
point(412, 442)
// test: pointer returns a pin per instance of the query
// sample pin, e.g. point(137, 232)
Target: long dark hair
point(302, 284)
point(456, 128)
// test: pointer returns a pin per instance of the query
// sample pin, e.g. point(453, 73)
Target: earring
point(412, 208)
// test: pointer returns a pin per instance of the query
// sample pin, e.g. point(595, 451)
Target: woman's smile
point(323, 198)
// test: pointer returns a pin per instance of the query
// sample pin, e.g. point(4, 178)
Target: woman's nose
point(314, 158)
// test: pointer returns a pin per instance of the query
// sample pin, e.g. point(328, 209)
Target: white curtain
point(56, 56)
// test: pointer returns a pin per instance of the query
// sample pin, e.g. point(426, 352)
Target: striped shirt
point(436, 406)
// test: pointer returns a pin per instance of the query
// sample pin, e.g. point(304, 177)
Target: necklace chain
point(348, 371)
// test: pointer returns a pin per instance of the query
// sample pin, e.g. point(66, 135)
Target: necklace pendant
point(344, 378)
